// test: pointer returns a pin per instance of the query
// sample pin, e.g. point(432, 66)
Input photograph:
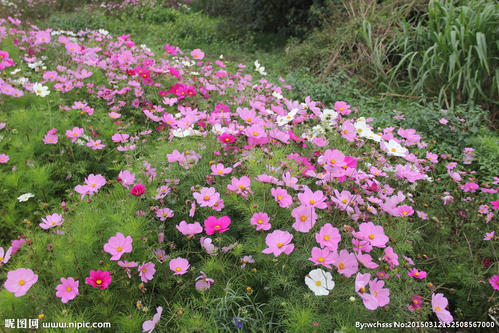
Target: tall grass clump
point(452, 53)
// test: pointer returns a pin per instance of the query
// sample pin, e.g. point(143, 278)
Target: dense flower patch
point(202, 173)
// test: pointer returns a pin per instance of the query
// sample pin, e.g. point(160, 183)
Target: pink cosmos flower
point(328, 236)
point(203, 282)
point(207, 244)
point(489, 235)
point(322, 257)
point(381, 295)
point(127, 265)
point(305, 218)
point(146, 271)
point(240, 186)
point(189, 229)
point(4, 158)
point(149, 325)
point(405, 210)
point(212, 224)
point(19, 281)
point(220, 170)
point(5, 255)
point(164, 213)
point(372, 233)
point(438, 304)
point(315, 199)
point(342, 107)
point(51, 221)
point(391, 257)
point(138, 190)
point(279, 242)
point(74, 134)
point(50, 139)
point(67, 289)
point(179, 266)
point(345, 262)
point(95, 145)
point(261, 221)
point(126, 178)
point(470, 187)
point(99, 279)
point(443, 121)
point(366, 260)
point(416, 274)
point(495, 204)
point(197, 54)
point(206, 197)
point(416, 302)
point(42, 37)
point(118, 245)
point(120, 137)
point(282, 197)
point(95, 182)
point(494, 281)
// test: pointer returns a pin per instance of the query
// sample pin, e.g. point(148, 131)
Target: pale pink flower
point(279, 242)
point(179, 266)
point(146, 271)
point(118, 245)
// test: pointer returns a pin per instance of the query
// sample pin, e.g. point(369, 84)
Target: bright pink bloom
point(189, 229)
point(226, 138)
point(4, 158)
point(126, 178)
point(342, 107)
point(50, 139)
point(138, 190)
point(117, 245)
point(220, 225)
point(494, 282)
point(146, 271)
point(261, 221)
point(372, 233)
point(489, 235)
point(470, 187)
point(51, 221)
point(495, 204)
point(179, 266)
point(278, 242)
point(149, 325)
point(305, 218)
point(416, 274)
point(95, 182)
point(315, 199)
point(416, 302)
point(67, 289)
point(346, 263)
point(282, 197)
point(240, 186)
point(328, 236)
point(99, 279)
point(95, 145)
point(19, 281)
point(322, 257)
point(438, 304)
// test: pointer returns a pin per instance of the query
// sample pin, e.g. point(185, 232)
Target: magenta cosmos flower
point(19, 281)
point(51, 221)
point(146, 271)
point(438, 304)
point(99, 279)
point(416, 274)
point(278, 242)
point(179, 266)
point(261, 221)
point(212, 224)
point(494, 282)
point(67, 289)
point(189, 229)
point(117, 245)
point(138, 190)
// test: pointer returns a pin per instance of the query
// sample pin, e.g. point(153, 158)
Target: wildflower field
point(170, 189)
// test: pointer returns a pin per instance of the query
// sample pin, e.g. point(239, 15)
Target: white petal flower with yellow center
point(320, 282)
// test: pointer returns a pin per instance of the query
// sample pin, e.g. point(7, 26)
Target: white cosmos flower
point(40, 90)
point(329, 116)
point(25, 197)
point(259, 68)
point(320, 282)
point(394, 148)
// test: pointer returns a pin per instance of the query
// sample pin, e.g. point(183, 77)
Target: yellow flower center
point(279, 245)
point(341, 109)
point(178, 269)
point(278, 197)
point(21, 282)
point(345, 131)
point(98, 281)
point(255, 133)
point(437, 308)
point(362, 290)
point(341, 265)
point(312, 202)
point(326, 237)
point(404, 213)
point(119, 249)
point(303, 218)
point(206, 198)
point(260, 221)
point(217, 227)
point(68, 289)
point(375, 293)
point(249, 120)
point(394, 150)
point(318, 283)
point(320, 259)
point(144, 270)
point(220, 172)
point(371, 236)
